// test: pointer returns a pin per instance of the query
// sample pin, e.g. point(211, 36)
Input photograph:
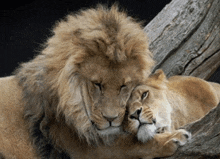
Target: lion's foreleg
point(166, 144)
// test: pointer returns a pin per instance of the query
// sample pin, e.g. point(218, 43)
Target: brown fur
point(57, 105)
point(83, 76)
point(173, 102)
point(16, 144)
point(14, 137)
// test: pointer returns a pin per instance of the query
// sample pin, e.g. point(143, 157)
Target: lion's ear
point(158, 79)
point(159, 75)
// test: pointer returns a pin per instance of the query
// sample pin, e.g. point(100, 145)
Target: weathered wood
point(205, 141)
point(185, 38)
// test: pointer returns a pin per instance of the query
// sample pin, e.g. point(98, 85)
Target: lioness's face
point(148, 112)
point(109, 88)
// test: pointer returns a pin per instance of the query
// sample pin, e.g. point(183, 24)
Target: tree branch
point(184, 38)
point(205, 141)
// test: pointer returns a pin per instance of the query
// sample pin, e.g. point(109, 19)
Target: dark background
point(24, 26)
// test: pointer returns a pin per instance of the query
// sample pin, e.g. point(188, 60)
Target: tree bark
point(185, 38)
point(205, 141)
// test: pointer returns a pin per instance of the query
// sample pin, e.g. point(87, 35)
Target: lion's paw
point(177, 138)
point(181, 137)
point(162, 129)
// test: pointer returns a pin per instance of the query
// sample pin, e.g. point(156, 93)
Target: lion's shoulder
point(10, 91)
point(13, 130)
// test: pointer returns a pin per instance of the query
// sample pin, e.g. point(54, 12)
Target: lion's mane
point(51, 81)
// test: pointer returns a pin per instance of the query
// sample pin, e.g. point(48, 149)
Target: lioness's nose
point(154, 120)
point(136, 114)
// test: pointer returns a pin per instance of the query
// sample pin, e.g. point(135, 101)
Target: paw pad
point(182, 137)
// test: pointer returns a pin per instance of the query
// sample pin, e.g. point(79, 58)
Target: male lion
point(162, 105)
point(70, 100)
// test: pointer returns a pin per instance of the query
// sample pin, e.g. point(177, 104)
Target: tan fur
point(58, 104)
point(14, 138)
point(15, 142)
point(173, 102)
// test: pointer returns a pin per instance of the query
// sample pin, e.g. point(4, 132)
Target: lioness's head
point(149, 111)
point(87, 72)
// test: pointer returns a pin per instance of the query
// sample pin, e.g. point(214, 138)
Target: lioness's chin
point(146, 132)
point(110, 131)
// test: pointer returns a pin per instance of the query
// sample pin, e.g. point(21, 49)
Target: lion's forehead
point(154, 92)
point(103, 71)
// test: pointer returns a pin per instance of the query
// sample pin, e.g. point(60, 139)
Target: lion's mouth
point(110, 130)
point(146, 132)
point(151, 127)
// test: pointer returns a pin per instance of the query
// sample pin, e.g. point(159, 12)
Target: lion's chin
point(146, 132)
point(110, 131)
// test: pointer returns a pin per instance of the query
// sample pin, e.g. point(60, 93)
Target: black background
point(24, 26)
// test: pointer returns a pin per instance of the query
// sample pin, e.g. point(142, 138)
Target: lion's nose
point(110, 118)
point(136, 114)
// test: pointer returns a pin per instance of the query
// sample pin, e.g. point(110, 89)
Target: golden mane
point(54, 89)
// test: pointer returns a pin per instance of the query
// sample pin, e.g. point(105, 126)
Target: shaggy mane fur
point(51, 80)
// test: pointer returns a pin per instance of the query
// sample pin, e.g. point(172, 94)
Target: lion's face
point(149, 111)
point(95, 96)
point(109, 87)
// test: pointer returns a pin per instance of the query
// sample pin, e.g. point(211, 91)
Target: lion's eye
point(144, 95)
point(98, 85)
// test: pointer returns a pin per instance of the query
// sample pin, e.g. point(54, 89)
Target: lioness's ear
point(158, 79)
point(159, 75)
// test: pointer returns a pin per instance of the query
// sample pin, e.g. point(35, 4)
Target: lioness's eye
point(144, 95)
point(98, 85)
point(122, 86)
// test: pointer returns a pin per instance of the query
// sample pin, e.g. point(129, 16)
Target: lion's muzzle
point(143, 117)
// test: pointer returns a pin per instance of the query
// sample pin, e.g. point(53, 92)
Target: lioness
point(162, 105)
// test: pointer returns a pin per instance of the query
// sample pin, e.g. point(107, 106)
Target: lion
point(164, 105)
point(70, 100)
